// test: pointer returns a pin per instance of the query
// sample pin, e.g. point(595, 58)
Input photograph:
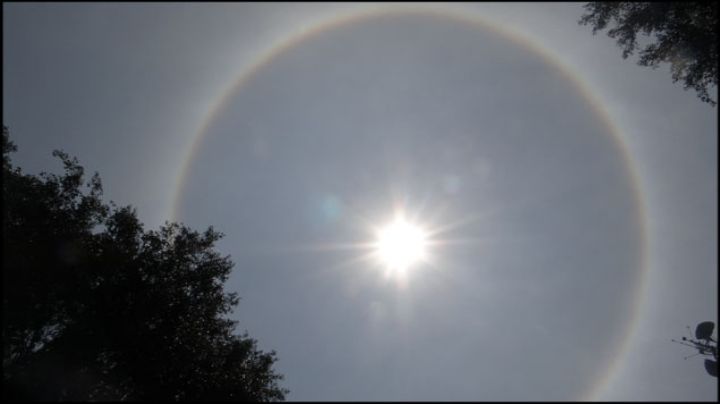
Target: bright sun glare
point(401, 244)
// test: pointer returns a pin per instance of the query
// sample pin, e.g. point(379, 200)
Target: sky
point(570, 196)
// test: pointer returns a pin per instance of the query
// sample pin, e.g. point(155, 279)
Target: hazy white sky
point(535, 287)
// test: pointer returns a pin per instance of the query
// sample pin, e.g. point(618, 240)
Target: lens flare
point(401, 244)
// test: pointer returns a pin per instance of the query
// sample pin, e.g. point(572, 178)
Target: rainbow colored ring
point(355, 16)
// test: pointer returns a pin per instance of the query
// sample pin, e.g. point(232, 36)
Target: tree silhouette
point(97, 308)
point(684, 35)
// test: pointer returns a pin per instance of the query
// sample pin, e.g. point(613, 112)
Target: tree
point(685, 35)
point(97, 308)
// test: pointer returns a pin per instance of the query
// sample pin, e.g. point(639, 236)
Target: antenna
point(686, 358)
point(703, 344)
point(693, 345)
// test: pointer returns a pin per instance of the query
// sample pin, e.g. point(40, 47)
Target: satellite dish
point(711, 367)
point(704, 330)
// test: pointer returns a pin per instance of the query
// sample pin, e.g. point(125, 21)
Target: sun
point(401, 245)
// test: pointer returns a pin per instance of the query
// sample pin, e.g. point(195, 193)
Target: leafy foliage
point(684, 34)
point(96, 308)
